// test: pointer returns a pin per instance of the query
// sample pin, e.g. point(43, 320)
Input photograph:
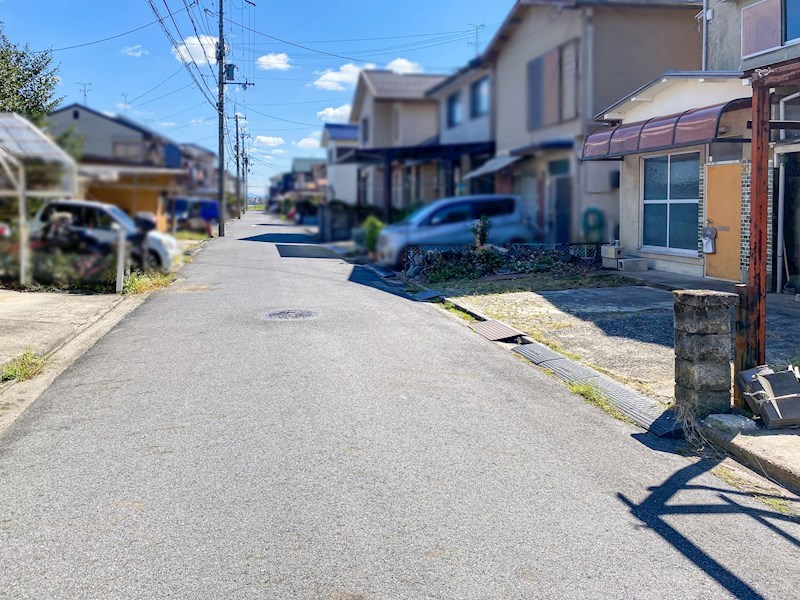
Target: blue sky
point(296, 89)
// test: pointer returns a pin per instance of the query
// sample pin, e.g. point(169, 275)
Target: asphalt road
point(381, 450)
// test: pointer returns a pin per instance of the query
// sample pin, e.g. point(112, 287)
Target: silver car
point(449, 222)
point(96, 220)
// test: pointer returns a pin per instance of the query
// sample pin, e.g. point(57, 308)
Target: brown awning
point(690, 128)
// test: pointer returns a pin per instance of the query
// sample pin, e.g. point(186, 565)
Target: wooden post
point(759, 187)
point(387, 188)
point(741, 360)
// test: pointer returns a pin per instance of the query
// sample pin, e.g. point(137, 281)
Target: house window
point(454, 112)
point(479, 96)
point(365, 130)
point(791, 20)
point(553, 86)
point(671, 193)
point(127, 150)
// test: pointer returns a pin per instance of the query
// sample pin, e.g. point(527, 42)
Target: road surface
point(379, 450)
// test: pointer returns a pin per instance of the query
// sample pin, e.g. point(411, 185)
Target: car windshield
point(416, 215)
point(121, 218)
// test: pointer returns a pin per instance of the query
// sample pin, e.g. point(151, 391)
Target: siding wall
point(633, 46)
point(99, 133)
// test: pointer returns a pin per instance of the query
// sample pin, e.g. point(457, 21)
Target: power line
point(188, 85)
point(113, 37)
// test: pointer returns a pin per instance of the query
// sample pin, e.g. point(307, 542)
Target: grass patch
point(462, 314)
point(191, 236)
point(597, 398)
point(141, 283)
point(24, 367)
point(768, 497)
point(534, 282)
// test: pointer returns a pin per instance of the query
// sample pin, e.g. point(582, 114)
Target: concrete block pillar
point(703, 352)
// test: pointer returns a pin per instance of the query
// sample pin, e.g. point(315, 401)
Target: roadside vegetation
point(768, 496)
point(594, 396)
point(569, 277)
point(24, 367)
point(191, 236)
point(141, 283)
point(460, 313)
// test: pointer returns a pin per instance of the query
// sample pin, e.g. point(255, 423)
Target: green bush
point(480, 230)
point(488, 260)
point(372, 227)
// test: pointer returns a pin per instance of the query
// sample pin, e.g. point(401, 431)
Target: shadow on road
point(654, 511)
point(305, 251)
point(281, 238)
point(363, 276)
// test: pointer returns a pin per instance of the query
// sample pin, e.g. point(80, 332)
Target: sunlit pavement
point(377, 450)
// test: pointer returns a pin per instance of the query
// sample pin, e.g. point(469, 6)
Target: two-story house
point(555, 65)
point(124, 163)
point(465, 117)
point(202, 170)
point(686, 200)
point(342, 178)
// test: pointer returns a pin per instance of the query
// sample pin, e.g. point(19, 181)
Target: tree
point(28, 80)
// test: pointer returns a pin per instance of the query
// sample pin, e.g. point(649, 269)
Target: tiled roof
point(391, 85)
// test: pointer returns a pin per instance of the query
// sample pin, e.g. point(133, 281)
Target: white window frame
point(693, 253)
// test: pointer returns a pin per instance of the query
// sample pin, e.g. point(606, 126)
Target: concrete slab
point(774, 453)
point(42, 321)
point(610, 300)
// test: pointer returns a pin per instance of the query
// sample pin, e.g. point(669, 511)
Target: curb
point(17, 396)
point(732, 443)
point(644, 412)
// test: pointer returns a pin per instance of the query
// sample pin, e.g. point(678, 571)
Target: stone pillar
point(703, 351)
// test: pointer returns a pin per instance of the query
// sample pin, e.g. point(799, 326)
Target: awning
point(690, 128)
point(498, 163)
point(421, 153)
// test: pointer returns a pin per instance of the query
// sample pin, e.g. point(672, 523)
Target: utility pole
point(221, 110)
point(85, 89)
point(477, 42)
point(237, 149)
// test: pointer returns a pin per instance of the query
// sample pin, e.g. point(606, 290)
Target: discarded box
point(775, 397)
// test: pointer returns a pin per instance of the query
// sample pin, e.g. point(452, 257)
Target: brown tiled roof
point(390, 85)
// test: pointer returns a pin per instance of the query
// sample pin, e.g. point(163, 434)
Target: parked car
point(95, 220)
point(195, 214)
point(449, 222)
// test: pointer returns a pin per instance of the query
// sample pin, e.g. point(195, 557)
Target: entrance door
point(724, 211)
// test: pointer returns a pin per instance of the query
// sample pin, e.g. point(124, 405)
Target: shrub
point(480, 230)
point(372, 228)
point(488, 260)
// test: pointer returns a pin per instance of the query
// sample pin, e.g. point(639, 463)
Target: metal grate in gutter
point(643, 411)
point(496, 331)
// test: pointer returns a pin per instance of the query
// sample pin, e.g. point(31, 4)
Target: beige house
point(342, 179)
point(392, 112)
point(556, 65)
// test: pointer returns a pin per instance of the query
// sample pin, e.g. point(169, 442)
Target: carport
point(31, 166)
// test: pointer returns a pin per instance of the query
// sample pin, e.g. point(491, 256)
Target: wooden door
point(724, 211)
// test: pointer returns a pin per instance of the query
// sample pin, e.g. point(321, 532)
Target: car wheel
point(154, 261)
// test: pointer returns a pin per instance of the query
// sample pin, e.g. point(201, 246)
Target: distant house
point(202, 168)
point(555, 66)
point(309, 178)
point(465, 118)
point(402, 161)
point(124, 163)
point(342, 178)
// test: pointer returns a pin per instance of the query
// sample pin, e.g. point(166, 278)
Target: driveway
point(378, 450)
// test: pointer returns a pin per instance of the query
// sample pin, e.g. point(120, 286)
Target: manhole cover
point(291, 315)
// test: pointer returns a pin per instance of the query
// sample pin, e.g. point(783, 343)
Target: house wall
point(634, 45)
point(725, 36)
point(543, 29)
point(470, 130)
point(417, 122)
point(342, 179)
point(134, 194)
point(99, 133)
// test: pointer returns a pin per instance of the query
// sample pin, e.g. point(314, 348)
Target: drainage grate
point(291, 315)
point(496, 331)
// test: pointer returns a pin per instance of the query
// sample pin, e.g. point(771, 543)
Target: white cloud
point(278, 151)
point(404, 66)
point(274, 61)
point(167, 124)
point(135, 51)
point(339, 79)
point(200, 49)
point(335, 115)
point(123, 106)
point(308, 143)
point(271, 141)
point(199, 121)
